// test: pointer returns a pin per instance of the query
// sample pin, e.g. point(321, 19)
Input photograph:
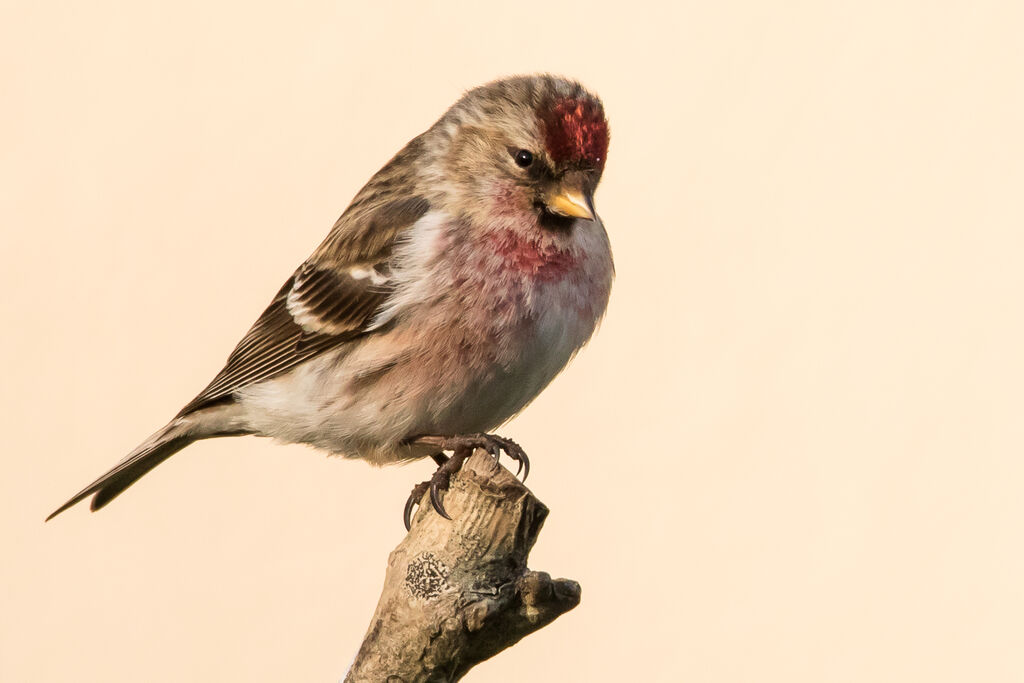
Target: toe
point(410, 505)
point(435, 498)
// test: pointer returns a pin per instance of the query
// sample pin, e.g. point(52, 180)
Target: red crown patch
point(575, 130)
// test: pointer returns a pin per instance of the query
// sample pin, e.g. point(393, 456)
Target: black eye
point(523, 158)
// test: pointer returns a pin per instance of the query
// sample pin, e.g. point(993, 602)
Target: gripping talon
point(435, 499)
point(410, 505)
point(516, 452)
point(461, 448)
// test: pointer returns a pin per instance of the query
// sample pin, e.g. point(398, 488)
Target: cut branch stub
point(458, 592)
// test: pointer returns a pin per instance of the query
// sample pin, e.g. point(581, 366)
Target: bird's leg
point(462, 447)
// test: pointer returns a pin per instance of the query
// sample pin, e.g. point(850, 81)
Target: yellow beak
point(570, 202)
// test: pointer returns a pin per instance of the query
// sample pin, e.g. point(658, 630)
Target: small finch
point(457, 284)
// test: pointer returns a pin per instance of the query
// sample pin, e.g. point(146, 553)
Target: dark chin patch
point(554, 222)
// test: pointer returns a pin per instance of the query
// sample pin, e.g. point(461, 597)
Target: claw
point(516, 452)
point(435, 499)
point(410, 505)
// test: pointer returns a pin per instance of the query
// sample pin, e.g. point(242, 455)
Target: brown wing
point(329, 300)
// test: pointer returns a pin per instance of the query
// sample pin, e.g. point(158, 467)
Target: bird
point(459, 281)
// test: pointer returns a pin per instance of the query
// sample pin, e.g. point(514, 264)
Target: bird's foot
point(492, 443)
point(462, 447)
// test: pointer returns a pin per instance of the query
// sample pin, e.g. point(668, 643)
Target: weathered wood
point(458, 592)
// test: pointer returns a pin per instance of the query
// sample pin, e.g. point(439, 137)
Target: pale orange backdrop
point(793, 452)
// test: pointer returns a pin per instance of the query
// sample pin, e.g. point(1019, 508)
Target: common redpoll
point(456, 285)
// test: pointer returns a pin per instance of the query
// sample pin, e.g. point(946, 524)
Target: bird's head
point(530, 147)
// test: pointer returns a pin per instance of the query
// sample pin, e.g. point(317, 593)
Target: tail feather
point(154, 451)
point(225, 419)
point(113, 486)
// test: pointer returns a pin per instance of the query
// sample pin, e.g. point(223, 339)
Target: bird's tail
point(145, 457)
point(163, 444)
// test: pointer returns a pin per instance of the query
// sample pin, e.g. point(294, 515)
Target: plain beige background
point(792, 453)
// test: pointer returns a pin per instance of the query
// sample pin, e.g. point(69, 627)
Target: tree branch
point(458, 592)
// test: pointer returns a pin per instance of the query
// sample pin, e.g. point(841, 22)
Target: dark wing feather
point(329, 300)
point(332, 301)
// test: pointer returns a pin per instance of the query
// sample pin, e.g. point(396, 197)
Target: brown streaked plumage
point(459, 281)
point(334, 306)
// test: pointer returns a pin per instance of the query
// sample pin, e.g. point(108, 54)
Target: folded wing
point(330, 299)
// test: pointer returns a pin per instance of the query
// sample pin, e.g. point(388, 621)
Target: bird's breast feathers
point(472, 330)
point(513, 306)
point(502, 273)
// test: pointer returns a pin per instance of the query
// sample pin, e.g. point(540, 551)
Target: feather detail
point(331, 301)
point(327, 302)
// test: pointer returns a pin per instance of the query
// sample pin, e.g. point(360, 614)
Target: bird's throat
point(539, 255)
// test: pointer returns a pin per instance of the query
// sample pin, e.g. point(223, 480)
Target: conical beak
point(570, 201)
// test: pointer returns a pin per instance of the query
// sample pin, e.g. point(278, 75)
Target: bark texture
point(458, 591)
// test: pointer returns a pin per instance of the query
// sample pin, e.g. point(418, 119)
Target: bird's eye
point(523, 157)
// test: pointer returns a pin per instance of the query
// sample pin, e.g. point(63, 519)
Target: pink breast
point(541, 260)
